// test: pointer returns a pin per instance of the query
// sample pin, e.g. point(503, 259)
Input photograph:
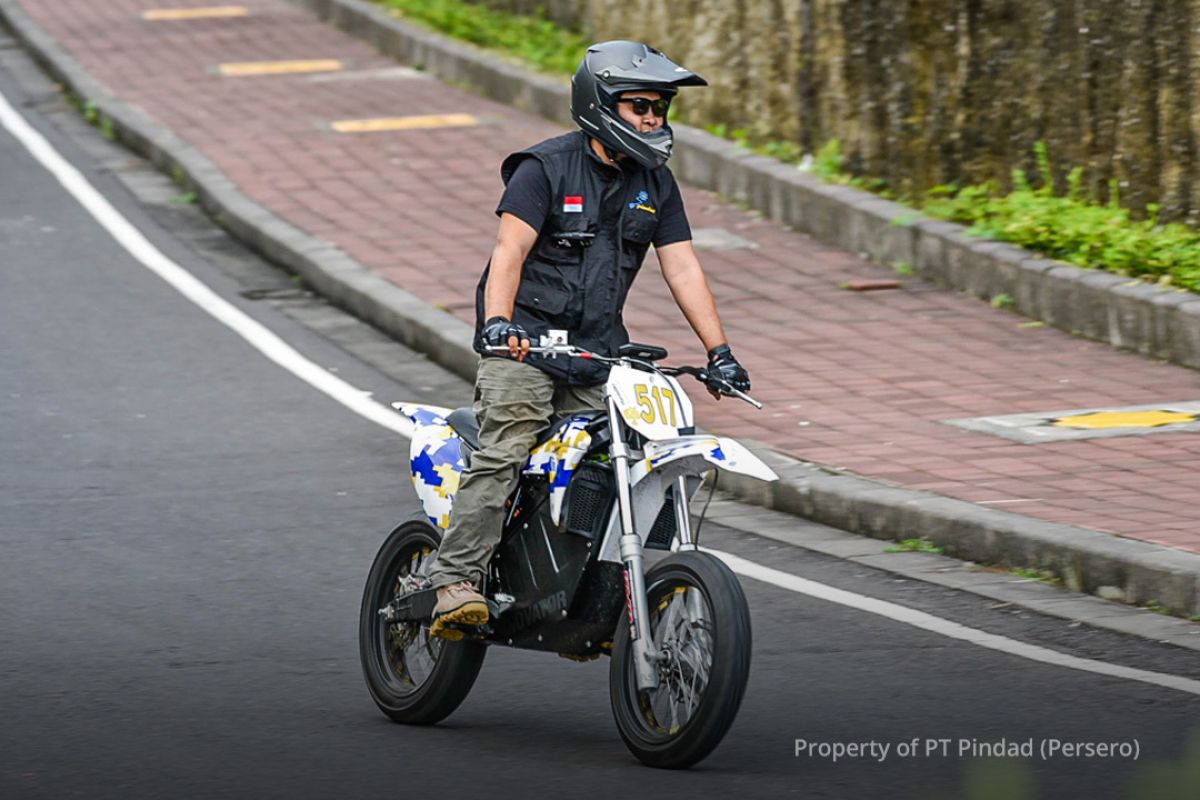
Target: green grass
point(535, 40)
point(1158, 608)
point(1003, 300)
point(1043, 575)
point(915, 545)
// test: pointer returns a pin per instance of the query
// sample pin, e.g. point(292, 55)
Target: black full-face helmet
point(608, 70)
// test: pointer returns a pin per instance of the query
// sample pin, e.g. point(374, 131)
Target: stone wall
point(927, 92)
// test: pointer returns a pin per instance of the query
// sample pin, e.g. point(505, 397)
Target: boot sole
point(472, 613)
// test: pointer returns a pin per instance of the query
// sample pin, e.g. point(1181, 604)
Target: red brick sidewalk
point(862, 382)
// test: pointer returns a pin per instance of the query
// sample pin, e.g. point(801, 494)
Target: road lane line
point(357, 401)
point(138, 246)
point(944, 627)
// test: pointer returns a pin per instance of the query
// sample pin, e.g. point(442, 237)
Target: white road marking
point(287, 357)
point(944, 627)
point(129, 237)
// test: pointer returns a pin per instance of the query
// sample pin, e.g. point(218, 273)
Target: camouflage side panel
point(558, 458)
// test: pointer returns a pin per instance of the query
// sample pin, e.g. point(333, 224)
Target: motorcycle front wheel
point(700, 630)
point(413, 678)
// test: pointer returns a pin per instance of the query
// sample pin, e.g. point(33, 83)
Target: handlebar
point(699, 373)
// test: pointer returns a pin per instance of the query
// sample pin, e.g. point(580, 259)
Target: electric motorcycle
point(568, 576)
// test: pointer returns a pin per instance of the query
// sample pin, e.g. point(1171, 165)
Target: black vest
point(588, 252)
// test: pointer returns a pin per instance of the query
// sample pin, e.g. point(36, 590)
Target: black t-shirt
point(527, 197)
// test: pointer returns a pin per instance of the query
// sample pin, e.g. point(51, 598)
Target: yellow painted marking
point(207, 12)
point(1098, 420)
point(405, 123)
point(279, 67)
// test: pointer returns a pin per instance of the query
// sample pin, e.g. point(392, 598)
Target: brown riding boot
point(458, 603)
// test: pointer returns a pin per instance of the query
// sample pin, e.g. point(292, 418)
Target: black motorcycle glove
point(497, 330)
point(722, 364)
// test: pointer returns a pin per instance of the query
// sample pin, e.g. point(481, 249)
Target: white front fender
point(715, 450)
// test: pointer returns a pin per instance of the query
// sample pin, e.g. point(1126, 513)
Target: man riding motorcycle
point(578, 214)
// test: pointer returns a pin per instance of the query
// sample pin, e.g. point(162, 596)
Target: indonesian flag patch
point(573, 204)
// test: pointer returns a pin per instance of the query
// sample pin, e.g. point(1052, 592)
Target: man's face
point(642, 123)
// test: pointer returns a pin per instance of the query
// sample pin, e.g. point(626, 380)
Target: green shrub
point(533, 39)
point(1072, 229)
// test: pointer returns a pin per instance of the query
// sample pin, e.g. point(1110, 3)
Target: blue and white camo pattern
point(714, 453)
point(558, 459)
point(437, 463)
point(436, 460)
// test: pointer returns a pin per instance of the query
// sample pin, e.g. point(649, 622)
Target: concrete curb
point(1152, 320)
point(1088, 560)
point(1085, 559)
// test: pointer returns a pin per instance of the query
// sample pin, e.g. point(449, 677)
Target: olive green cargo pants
point(513, 402)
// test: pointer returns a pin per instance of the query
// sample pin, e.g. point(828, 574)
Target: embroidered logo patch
point(573, 204)
point(641, 202)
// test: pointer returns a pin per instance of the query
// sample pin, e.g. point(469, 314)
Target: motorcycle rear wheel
point(414, 678)
point(700, 624)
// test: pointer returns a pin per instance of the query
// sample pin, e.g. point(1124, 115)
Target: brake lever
point(727, 388)
point(721, 385)
point(743, 396)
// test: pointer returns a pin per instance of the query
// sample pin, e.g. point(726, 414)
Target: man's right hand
point(503, 332)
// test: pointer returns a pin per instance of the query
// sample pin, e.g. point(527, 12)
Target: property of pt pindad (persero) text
point(1046, 749)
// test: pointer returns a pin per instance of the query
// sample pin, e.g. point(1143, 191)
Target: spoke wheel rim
point(408, 653)
point(681, 629)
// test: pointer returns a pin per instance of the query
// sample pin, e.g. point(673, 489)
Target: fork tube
point(644, 658)
point(683, 518)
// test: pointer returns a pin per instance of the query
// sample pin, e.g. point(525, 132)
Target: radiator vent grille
point(588, 501)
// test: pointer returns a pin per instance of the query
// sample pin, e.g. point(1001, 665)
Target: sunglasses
point(641, 105)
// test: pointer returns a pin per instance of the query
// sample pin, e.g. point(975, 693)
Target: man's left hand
point(723, 365)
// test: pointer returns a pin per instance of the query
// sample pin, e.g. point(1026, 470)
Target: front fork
point(645, 660)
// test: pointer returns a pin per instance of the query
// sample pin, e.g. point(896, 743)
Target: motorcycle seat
point(466, 425)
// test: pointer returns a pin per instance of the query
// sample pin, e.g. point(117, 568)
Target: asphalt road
point(185, 529)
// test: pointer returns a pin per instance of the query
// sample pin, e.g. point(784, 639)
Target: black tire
point(715, 619)
point(448, 669)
